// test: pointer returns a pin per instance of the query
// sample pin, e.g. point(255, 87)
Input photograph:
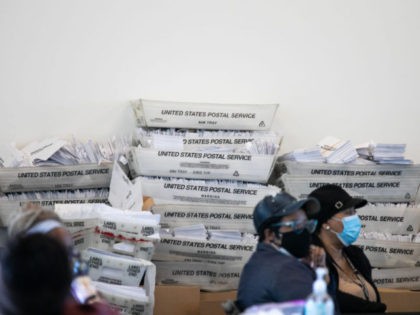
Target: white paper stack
point(120, 231)
point(337, 151)
point(10, 156)
point(389, 153)
point(225, 235)
point(56, 151)
point(304, 155)
point(127, 300)
point(197, 231)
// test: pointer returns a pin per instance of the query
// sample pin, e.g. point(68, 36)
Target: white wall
point(345, 68)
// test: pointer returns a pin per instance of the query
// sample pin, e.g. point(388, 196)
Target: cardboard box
point(188, 300)
point(170, 114)
point(400, 300)
point(211, 302)
point(177, 300)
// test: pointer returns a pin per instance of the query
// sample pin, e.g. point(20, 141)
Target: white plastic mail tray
point(201, 165)
point(364, 170)
point(170, 114)
point(55, 177)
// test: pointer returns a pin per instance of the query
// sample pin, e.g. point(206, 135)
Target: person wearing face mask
point(280, 268)
point(350, 271)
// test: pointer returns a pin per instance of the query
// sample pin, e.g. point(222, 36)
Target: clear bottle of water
point(319, 302)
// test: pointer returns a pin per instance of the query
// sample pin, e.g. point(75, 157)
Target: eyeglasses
point(299, 226)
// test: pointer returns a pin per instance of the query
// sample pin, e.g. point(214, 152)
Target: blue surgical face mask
point(351, 229)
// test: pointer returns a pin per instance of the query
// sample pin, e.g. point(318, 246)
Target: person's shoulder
point(355, 251)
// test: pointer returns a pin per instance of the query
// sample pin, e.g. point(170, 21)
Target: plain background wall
point(350, 69)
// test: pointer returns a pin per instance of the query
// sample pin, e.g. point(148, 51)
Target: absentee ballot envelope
point(201, 165)
point(78, 217)
point(135, 225)
point(126, 300)
point(184, 191)
point(213, 217)
point(390, 254)
point(209, 277)
point(168, 114)
point(373, 189)
point(83, 239)
point(124, 194)
point(115, 269)
point(390, 218)
point(401, 278)
point(117, 244)
point(187, 249)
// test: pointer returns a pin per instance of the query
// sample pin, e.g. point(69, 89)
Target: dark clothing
point(71, 307)
point(349, 303)
point(272, 276)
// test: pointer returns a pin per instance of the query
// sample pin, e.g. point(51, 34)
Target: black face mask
point(297, 244)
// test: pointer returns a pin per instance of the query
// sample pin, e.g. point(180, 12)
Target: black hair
point(269, 225)
point(36, 274)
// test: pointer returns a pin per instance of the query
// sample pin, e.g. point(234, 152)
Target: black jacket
point(271, 276)
point(349, 303)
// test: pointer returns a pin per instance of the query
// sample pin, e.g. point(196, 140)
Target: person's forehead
point(346, 211)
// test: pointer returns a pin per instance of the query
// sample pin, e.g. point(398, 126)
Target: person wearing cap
point(350, 271)
point(280, 268)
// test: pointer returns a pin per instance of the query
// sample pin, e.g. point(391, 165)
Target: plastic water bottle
point(319, 302)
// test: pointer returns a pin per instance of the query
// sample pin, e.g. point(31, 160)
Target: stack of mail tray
point(204, 162)
point(375, 183)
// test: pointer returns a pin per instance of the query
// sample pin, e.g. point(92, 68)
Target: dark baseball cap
point(333, 199)
point(272, 209)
